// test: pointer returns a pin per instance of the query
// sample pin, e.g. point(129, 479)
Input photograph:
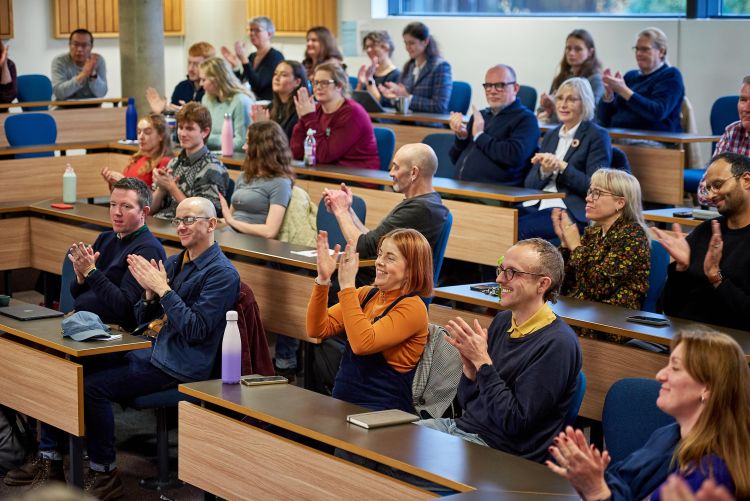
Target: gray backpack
point(16, 439)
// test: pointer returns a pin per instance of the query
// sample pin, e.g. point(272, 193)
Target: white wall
point(710, 53)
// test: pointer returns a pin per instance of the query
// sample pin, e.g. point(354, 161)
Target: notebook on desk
point(29, 312)
point(378, 419)
point(369, 103)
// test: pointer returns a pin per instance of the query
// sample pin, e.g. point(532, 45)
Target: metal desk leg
point(76, 461)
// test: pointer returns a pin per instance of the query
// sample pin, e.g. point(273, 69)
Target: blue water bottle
point(131, 121)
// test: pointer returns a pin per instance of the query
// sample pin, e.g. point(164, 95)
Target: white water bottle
point(231, 351)
point(310, 147)
point(69, 185)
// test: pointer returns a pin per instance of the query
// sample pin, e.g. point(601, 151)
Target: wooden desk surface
point(667, 216)
point(415, 117)
point(47, 332)
point(430, 454)
point(649, 135)
point(116, 101)
point(81, 125)
point(598, 316)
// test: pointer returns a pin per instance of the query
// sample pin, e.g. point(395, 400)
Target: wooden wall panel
point(6, 18)
point(293, 18)
point(101, 17)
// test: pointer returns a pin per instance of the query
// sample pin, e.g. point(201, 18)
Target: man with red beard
point(709, 280)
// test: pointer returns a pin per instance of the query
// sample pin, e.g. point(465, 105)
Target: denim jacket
point(202, 292)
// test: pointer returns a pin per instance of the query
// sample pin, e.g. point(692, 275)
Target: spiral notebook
point(378, 419)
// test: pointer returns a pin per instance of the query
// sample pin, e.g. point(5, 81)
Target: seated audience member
point(426, 76)
point(649, 98)
point(79, 74)
point(288, 78)
point(104, 285)
point(385, 324)
point(612, 261)
point(258, 68)
point(497, 143)
point(8, 81)
point(154, 151)
point(579, 60)
point(379, 48)
point(519, 376)
point(709, 280)
point(705, 388)
point(189, 89)
point(735, 139)
point(224, 95)
point(263, 191)
point(195, 172)
point(343, 130)
point(321, 48)
point(676, 489)
point(569, 156)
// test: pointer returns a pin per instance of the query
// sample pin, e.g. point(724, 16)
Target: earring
point(703, 398)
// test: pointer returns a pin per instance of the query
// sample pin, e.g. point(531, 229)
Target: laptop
point(367, 101)
point(29, 312)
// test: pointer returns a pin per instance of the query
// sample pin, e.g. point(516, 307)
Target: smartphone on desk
point(655, 321)
point(258, 380)
point(483, 287)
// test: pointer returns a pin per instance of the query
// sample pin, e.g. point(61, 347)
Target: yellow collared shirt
point(542, 318)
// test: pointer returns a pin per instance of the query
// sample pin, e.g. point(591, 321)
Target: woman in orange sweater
point(385, 324)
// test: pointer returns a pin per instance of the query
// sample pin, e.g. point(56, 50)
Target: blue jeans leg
point(535, 223)
point(286, 352)
point(134, 378)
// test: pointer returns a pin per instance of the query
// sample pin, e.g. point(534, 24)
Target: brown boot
point(105, 486)
point(36, 471)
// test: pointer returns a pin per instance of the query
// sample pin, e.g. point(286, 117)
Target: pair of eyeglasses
point(187, 221)
point(643, 49)
point(717, 184)
point(567, 99)
point(77, 45)
point(497, 85)
point(595, 193)
point(510, 273)
point(322, 83)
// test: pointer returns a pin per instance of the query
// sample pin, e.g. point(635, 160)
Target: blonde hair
point(622, 184)
point(723, 427)
point(225, 80)
point(582, 87)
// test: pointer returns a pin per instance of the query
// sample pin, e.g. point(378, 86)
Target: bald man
point(189, 296)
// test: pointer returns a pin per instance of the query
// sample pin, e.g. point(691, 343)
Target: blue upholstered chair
point(437, 258)
point(575, 404)
point(630, 416)
point(658, 276)
point(620, 160)
point(527, 95)
point(460, 97)
point(353, 81)
point(327, 221)
point(34, 88)
point(386, 140)
point(31, 129)
point(441, 143)
point(67, 277)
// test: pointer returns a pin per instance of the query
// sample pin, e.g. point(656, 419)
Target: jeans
point(538, 223)
point(286, 352)
point(448, 425)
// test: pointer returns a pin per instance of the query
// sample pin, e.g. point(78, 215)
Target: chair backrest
point(460, 97)
point(29, 129)
point(353, 81)
point(527, 95)
point(327, 221)
point(630, 416)
point(230, 190)
point(723, 113)
point(34, 88)
point(68, 276)
point(386, 140)
point(658, 276)
point(442, 143)
point(439, 254)
point(620, 160)
point(575, 404)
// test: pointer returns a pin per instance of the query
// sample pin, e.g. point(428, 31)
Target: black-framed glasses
point(717, 184)
point(187, 221)
point(595, 193)
point(322, 83)
point(497, 85)
point(510, 273)
point(78, 45)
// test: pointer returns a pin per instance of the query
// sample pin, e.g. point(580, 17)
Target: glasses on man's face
point(187, 221)
point(322, 83)
point(717, 184)
point(510, 273)
point(497, 85)
point(643, 49)
point(78, 45)
point(595, 193)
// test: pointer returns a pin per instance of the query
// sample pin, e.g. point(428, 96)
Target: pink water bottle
point(227, 136)
point(231, 351)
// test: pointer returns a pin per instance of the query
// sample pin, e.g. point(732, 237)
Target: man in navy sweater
point(520, 376)
point(498, 142)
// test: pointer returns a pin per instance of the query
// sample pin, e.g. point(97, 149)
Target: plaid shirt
point(736, 139)
point(432, 89)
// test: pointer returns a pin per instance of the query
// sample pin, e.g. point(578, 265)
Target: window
point(735, 8)
point(669, 8)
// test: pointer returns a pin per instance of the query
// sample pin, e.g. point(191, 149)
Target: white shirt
point(565, 140)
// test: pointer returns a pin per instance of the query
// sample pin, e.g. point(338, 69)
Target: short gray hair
point(746, 80)
point(658, 38)
point(582, 87)
point(265, 22)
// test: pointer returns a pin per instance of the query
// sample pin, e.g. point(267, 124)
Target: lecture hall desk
point(241, 460)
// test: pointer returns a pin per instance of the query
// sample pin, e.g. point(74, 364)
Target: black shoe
point(106, 486)
point(36, 471)
point(290, 373)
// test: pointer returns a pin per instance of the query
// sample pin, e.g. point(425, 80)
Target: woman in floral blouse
point(610, 263)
